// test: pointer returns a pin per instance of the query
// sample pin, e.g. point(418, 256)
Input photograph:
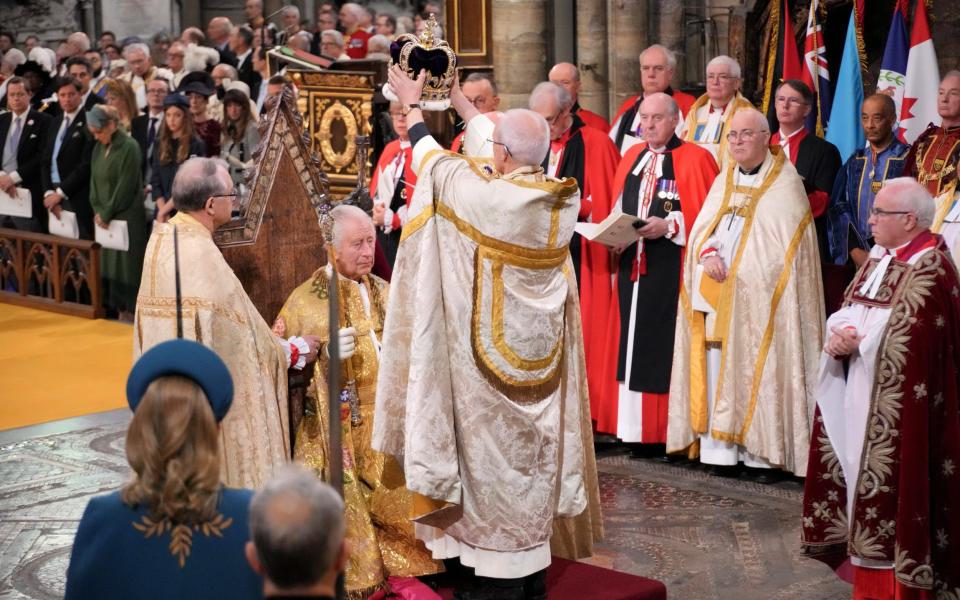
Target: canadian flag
point(923, 80)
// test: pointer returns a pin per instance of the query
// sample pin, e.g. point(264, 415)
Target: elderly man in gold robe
point(216, 312)
point(482, 385)
point(708, 121)
point(378, 505)
point(750, 321)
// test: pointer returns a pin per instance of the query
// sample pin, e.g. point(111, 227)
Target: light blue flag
point(844, 130)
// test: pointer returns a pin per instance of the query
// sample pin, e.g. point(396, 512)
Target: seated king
point(378, 503)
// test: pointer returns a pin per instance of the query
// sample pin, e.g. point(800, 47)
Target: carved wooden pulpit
point(275, 243)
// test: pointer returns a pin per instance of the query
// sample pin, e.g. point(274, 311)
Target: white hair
point(80, 40)
point(292, 10)
point(336, 36)
point(134, 48)
point(670, 54)
point(14, 57)
point(672, 108)
point(526, 134)
point(346, 213)
point(547, 89)
point(758, 118)
point(378, 43)
point(354, 8)
point(730, 63)
point(913, 197)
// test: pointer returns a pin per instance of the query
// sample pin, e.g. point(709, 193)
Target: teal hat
point(188, 359)
point(97, 117)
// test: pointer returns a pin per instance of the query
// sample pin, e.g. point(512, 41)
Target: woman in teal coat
point(116, 194)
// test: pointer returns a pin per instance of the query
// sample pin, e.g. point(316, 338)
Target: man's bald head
point(197, 180)
point(525, 134)
point(567, 76)
point(748, 138)
point(877, 116)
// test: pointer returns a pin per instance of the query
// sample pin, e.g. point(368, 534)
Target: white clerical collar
point(659, 149)
point(895, 251)
point(786, 136)
point(404, 144)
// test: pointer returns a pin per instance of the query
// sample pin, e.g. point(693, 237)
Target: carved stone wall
point(50, 20)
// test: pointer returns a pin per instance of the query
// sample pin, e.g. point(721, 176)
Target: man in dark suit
point(22, 133)
point(218, 32)
point(145, 128)
point(66, 158)
point(817, 160)
point(241, 42)
point(79, 68)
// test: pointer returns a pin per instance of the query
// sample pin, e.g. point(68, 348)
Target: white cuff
point(60, 191)
point(676, 232)
point(387, 220)
point(17, 180)
point(302, 347)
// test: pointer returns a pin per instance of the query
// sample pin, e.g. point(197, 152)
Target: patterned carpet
point(704, 537)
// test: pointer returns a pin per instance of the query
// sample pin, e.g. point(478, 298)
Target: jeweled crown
point(428, 52)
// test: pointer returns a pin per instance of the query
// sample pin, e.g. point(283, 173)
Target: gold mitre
point(430, 53)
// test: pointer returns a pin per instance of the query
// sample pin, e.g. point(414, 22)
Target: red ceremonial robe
point(457, 142)
point(905, 511)
point(590, 119)
point(395, 195)
point(591, 158)
point(695, 171)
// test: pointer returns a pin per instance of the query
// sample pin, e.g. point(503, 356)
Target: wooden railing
point(50, 273)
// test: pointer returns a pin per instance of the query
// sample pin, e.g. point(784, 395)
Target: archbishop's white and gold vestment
point(482, 387)
point(217, 312)
point(766, 332)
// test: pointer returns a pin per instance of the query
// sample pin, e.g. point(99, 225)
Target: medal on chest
point(667, 193)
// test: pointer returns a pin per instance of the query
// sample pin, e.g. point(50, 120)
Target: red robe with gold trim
point(905, 506)
point(695, 170)
point(933, 159)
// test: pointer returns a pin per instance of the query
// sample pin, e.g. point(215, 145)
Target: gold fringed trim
point(771, 53)
point(861, 45)
point(364, 593)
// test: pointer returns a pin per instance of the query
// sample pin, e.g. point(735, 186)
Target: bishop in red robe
point(587, 155)
point(935, 156)
point(883, 481)
point(392, 185)
point(662, 181)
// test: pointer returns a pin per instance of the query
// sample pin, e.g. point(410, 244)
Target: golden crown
point(430, 53)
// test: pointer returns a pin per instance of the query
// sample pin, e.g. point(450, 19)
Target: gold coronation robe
point(378, 505)
point(218, 313)
point(768, 323)
point(483, 389)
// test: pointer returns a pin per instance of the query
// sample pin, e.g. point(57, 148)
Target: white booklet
point(65, 226)
point(18, 205)
point(115, 237)
point(615, 231)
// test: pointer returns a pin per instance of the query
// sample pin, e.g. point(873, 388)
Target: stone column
point(519, 49)
point(592, 55)
point(627, 29)
point(671, 29)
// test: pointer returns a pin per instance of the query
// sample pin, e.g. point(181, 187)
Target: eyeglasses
point(746, 135)
point(722, 77)
point(879, 212)
point(478, 101)
point(507, 149)
point(556, 118)
point(232, 196)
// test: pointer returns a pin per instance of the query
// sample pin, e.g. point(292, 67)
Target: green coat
point(116, 193)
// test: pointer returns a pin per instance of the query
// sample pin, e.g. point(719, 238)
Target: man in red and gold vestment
point(883, 481)
point(934, 157)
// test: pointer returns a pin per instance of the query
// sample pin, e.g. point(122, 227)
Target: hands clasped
point(842, 342)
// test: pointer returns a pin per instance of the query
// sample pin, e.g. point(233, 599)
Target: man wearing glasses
point(885, 447)
point(707, 123)
point(217, 312)
point(481, 388)
point(749, 335)
point(481, 91)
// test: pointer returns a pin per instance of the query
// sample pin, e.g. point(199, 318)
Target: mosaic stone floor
point(705, 537)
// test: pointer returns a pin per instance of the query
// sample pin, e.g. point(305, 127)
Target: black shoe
point(647, 450)
point(764, 476)
point(726, 471)
point(489, 588)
